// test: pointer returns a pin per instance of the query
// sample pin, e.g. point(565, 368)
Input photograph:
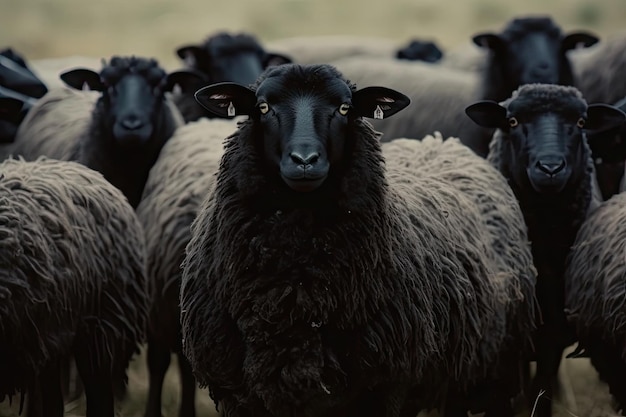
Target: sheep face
point(16, 76)
point(133, 93)
point(10, 117)
point(225, 57)
point(543, 128)
point(303, 115)
point(532, 50)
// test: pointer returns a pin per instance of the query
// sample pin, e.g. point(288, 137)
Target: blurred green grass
point(54, 28)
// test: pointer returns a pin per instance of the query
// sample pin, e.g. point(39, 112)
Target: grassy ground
point(57, 28)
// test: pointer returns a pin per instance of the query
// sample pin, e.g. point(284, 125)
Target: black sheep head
point(304, 115)
point(133, 93)
point(543, 130)
point(237, 58)
point(530, 50)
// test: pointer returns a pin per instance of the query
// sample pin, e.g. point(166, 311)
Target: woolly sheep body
point(464, 222)
point(176, 186)
point(74, 270)
point(594, 291)
point(438, 95)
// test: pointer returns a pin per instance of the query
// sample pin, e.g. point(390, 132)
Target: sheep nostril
point(132, 123)
point(308, 159)
point(551, 168)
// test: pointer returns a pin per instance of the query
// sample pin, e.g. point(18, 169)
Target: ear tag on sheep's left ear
point(231, 109)
point(378, 113)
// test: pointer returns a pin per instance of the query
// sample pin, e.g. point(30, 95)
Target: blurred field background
point(56, 28)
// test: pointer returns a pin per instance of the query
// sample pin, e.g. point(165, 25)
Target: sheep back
point(439, 96)
point(175, 188)
point(73, 269)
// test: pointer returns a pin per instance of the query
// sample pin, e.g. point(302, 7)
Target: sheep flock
point(317, 226)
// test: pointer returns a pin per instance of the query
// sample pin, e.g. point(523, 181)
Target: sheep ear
point(578, 40)
point(602, 117)
point(487, 113)
point(378, 102)
point(189, 54)
point(227, 99)
point(272, 59)
point(81, 77)
point(488, 40)
point(187, 80)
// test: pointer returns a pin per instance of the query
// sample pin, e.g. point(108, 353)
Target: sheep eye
point(513, 122)
point(580, 123)
point(264, 108)
point(343, 109)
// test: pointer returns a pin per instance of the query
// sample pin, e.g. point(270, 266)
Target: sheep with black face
point(321, 280)
point(540, 146)
point(420, 50)
point(117, 129)
point(222, 57)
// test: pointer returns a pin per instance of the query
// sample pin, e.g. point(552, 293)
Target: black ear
point(78, 78)
point(227, 99)
point(487, 113)
point(578, 40)
point(488, 40)
point(189, 54)
point(10, 109)
point(187, 80)
point(378, 102)
point(602, 117)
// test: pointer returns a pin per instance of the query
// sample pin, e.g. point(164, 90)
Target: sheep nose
point(132, 123)
point(307, 159)
point(551, 168)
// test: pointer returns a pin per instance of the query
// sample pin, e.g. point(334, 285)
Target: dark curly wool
point(73, 278)
point(83, 131)
point(595, 295)
point(372, 292)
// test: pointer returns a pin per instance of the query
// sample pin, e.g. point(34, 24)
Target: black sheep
point(117, 130)
point(541, 148)
point(222, 57)
point(327, 276)
point(528, 50)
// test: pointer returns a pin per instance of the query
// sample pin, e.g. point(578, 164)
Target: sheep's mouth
point(132, 137)
point(546, 184)
point(304, 184)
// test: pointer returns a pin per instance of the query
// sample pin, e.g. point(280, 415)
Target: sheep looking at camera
point(73, 283)
point(320, 280)
point(540, 146)
point(118, 129)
